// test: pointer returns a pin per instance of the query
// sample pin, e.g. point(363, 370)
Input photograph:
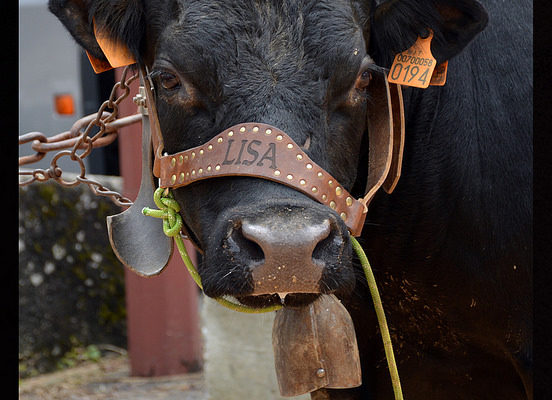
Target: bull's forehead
point(268, 40)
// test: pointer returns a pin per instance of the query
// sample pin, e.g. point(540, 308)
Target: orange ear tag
point(414, 67)
point(116, 53)
point(439, 76)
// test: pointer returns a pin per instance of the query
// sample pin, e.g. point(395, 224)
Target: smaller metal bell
point(315, 347)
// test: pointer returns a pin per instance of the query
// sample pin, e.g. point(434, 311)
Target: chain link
point(81, 143)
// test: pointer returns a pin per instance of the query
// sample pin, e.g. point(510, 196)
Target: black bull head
point(307, 68)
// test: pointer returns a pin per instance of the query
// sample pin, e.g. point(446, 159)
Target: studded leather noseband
point(261, 151)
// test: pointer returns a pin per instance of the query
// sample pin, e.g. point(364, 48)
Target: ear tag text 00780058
point(416, 66)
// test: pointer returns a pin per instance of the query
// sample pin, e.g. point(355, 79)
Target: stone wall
point(71, 289)
point(71, 286)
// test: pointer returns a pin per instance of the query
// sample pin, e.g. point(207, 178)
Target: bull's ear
point(120, 21)
point(396, 24)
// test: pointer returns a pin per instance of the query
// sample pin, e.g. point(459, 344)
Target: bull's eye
point(363, 80)
point(169, 81)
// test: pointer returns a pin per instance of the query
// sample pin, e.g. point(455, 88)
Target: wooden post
point(163, 329)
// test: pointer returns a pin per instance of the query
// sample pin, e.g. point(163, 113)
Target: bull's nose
point(276, 239)
point(287, 245)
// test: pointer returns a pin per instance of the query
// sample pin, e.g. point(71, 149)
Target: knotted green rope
point(172, 224)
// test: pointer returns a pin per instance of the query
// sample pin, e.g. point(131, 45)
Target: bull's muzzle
point(295, 243)
point(288, 257)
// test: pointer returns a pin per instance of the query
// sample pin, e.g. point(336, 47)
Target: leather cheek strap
point(398, 138)
point(380, 136)
point(151, 110)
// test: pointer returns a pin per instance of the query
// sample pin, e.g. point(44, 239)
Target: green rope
point(388, 347)
point(172, 224)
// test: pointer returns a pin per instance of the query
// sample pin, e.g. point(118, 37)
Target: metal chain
point(79, 139)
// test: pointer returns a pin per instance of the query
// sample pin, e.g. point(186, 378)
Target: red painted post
point(162, 312)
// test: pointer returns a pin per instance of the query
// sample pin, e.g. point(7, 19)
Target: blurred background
point(67, 302)
point(57, 84)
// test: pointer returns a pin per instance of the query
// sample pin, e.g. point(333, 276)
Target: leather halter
point(263, 151)
point(238, 151)
point(385, 122)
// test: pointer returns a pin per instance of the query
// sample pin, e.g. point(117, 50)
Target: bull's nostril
point(247, 249)
point(328, 247)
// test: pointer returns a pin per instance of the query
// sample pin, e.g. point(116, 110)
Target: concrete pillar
point(238, 356)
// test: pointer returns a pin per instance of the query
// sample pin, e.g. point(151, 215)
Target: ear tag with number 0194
point(414, 67)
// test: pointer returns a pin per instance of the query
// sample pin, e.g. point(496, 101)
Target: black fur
point(451, 247)
point(396, 24)
point(127, 21)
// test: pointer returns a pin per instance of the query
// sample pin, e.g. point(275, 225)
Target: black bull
point(451, 247)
